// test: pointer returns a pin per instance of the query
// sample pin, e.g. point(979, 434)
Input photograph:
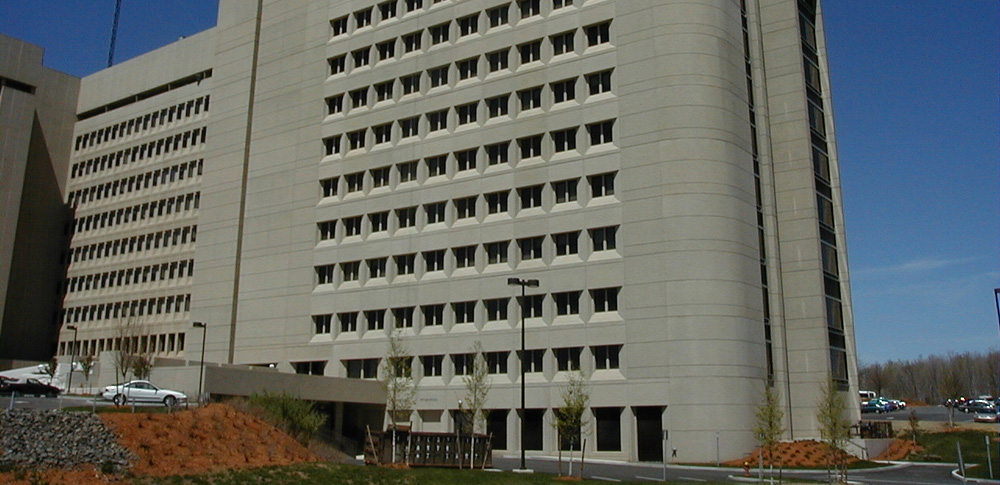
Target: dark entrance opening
point(496, 425)
point(609, 430)
point(649, 432)
point(534, 421)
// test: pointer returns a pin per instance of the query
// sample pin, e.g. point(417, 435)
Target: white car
point(142, 391)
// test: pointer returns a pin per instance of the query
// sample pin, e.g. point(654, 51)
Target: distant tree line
point(934, 379)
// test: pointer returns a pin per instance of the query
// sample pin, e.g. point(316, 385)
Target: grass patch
point(368, 475)
point(973, 449)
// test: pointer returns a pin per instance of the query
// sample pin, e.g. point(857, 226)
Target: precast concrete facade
point(666, 170)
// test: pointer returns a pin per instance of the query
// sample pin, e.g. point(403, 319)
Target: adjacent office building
point(310, 177)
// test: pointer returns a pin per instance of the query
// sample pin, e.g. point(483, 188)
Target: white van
point(867, 395)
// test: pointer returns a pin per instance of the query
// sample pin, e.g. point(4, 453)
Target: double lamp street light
point(523, 284)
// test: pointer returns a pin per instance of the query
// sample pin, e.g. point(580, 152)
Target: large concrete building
point(311, 176)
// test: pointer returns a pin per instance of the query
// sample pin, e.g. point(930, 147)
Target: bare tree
point(128, 333)
point(834, 428)
point(570, 418)
point(50, 369)
point(769, 427)
point(397, 382)
point(477, 388)
point(87, 364)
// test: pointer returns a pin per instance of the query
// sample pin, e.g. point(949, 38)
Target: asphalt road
point(924, 413)
point(24, 402)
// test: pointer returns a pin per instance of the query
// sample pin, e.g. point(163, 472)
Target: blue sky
point(917, 109)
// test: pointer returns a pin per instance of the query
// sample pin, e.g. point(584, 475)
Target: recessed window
point(467, 113)
point(563, 91)
point(436, 165)
point(463, 364)
point(599, 82)
point(531, 305)
point(433, 315)
point(565, 190)
point(498, 105)
point(434, 260)
point(533, 360)
point(356, 139)
point(562, 43)
point(437, 120)
point(325, 274)
point(530, 52)
point(339, 26)
point(329, 186)
point(564, 140)
point(338, 64)
point(361, 368)
point(530, 247)
point(382, 133)
point(465, 311)
point(407, 171)
point(351, 270)
point(439, 33)
point(327, 230)
point(598, 34)
point(406, 217)
point(468, 68)
point(348, 321)
point(498, 60)
point(359, 98)
point(498, 16)
point(376, 267)
point(497, 153)
point(465, 256)
point(529, 8)
point(402, 317)
point(352, 226)
point(412, 5)
point(438, 76)
point(568, 358)
point(605, 299)
point(496, 252)
point(409, 127)
point(566, 243)
point(606, 356)
point(496, 202)
point(363, 18)
point(405, 263)
point(468, 25)
point(496, 309)
point(530, 196)
point(465, 208)
point(361, 56)
point(379, 221)
point(496, 362)
point(603, 238)
point(435, 212)
point(466, 159)
point(602, 185)
point(331, 145)
point(601, 132)
point(355, 182)
point(387, 9)
point(375, 319)
point(567, 303)
point(323, 323)
point(412, 41)
point(386, 50)
point(530, 98)
point(531, 146)
point(411, 83)
point(432, 364)
point(557, 4)
point(335, 104)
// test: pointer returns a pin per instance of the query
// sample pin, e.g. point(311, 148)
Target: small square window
point(387, 9)
point(435, 212)
point(465, 208)
point(558, 4)
point(433, 315)
point(562, 43)
point(348, 321)
point(606, 356)
point(325, 274)
point(412, 5)
point(339, 26)
point(568, 359)
point(327, 230)
point(437, 120)
point(496, 202)
point(564, 140)
point(530, 52)
point(375, 319)
point(605, 299)
point(563, 91)
point(565, 190)
point(531, 305)
point(530, 98)
point(409, 127)
point(531, 146)
point(468, 25)
point(567, 303)
point(465, 311)
point(603, 238)
point(331, 145)
point(530, 247)
point(355, 182)
point(498, 60)
point(382, 133)
point(356, 139)
point(599, 82)
point(598, 34)
point(439, 33)
point(498, 105)
point(361, 57)
point(335, 104)
point(529, 8)
point(380, 177)
point(602, 185)
point(466, 159)
point(412, 41)
point(468, 68)
point(407, 171)
point(465, 256)
point(496, 309)
point(467, 113)
point(411, 83)
point(432, 364)
point(496, 362)
point(530, 196)
point(497, 153)
point(438, 76)
point(338, 64)
point(363, 18)
point(406, 217)
point(323, 323)
point(359, 98)
point(567, 243)
point(352, 226)
point(434, 260)
point(351, 271)
point(386, 50)
point(436, 165)
point(379, 221)
point(329, 186)
point(498, 16)
point(405, 263)
point(402, 317)
point(376, 267)
point(601, 132)
point(496, 252)
point(533, 360)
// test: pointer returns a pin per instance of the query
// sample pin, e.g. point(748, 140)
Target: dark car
point(976, 406)
point(29, 387)
point(873, 407)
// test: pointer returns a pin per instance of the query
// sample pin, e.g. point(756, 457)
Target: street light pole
point(996, 300)
point(523, 284)
point(72, 357)
point(201, 371)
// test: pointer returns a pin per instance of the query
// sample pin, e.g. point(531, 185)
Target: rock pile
point(55, 439)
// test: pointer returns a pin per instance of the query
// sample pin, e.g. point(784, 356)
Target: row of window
point(135, 183)
point(137, 125)
point(131, 276)
point(560, 141)
point(567, 303)
point(600, 357)
point(389, 10)
point(140, 212)
point(493, 107)
point(142, 151)
point(498, 60)
point(474, 257)
point(146, 344)
point(163, 305)
point(143, 242)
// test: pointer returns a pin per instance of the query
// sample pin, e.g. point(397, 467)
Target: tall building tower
point(666, 170)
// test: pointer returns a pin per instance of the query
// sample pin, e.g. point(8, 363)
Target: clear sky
point(917, 109)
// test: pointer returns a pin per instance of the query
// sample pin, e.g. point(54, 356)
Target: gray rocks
point(56, 439)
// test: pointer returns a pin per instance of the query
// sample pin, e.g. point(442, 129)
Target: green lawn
point(351, 474)
point(942, 445)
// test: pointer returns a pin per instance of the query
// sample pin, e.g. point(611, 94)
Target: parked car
point(28, 387)
point(975, 406)
point(142, 391)
point(989, 416)
point(899, 404)
point(873, 407)
point(887, 405)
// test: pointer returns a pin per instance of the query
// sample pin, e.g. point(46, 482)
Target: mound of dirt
point(899, 449)
point(806, 453)
point(209, 439)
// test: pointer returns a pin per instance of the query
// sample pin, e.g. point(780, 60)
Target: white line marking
point(691, 479)
point(649, 479)
point(595, 477)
